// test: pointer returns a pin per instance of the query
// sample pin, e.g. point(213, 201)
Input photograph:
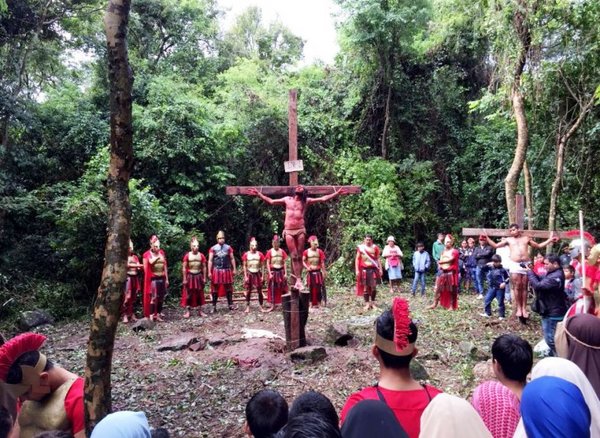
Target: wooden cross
point(295, 304)
point(497, 232)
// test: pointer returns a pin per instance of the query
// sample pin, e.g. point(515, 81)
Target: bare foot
point(186, 315)
point(367, 306)
point(433, 306)
point(270, 309)
point(133, 318)
point(202, 314)
point(519, 313)
point(373, 306)
point(125, 320)
point(525, 314)
point(158, 318)
point(151, 317)
point(247, 309)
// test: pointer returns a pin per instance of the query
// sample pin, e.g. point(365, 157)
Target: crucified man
point(518, 244)
point(294, 229)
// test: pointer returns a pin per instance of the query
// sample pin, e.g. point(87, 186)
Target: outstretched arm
point(553, 239)
point(493, 244)
point(335, 194)
point(253, 191)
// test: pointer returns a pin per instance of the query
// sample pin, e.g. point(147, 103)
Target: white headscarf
point(449, 416)
point(567, 370)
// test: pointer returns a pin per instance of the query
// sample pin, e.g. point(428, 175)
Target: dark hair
point(314, 402)
point(514, 355)
point(54, 434)
point(552, 258)
point(6, 422)
point(420, 244)
point(385, 329)
point(496, 258)
point(309, 426)
point(160, 432)
point(368, 236)
point(266, 413)
point(15, 374)
point(569, 268)
point(514, 225)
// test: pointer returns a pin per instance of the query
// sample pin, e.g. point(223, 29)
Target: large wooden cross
point(295, 304)
point(498, 232)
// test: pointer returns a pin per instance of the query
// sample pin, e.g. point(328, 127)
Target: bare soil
point(203, 393)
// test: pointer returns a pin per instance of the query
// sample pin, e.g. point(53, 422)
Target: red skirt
point(254, 280)
point(222, 276)
point(314, 281)
point(192, 293)
point(447, 290)
point(277, 286)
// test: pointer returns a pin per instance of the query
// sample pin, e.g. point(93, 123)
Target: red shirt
point(74, 406)
point(408, 406)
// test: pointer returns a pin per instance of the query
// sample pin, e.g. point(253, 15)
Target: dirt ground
point(203, 393)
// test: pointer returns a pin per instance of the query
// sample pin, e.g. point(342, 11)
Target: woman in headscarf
point(449, 416)
point(498, 407)
point(567, 370)
point(553, 407)
point(583, 338)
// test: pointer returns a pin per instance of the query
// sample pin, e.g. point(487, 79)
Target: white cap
point(391, 238)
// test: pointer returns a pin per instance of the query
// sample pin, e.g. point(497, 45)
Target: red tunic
point(447, 284)
point(408, 406)
point(194, 286)
point(148, 282)
point(220, 278)
point(278, 283)
point(314, 279)
point(360, 289)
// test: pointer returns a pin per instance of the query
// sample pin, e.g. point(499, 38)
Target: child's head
point(512, 358)
point(569, 272)
point(312, 402)
point(496, 260)
point(266, 413)
point(539, 258)
point(420, 246)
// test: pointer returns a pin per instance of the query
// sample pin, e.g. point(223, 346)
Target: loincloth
point(514, 268)
point(294, 232)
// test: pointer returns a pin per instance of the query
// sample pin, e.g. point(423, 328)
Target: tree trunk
point(562, 139)
point(110, 292)
point(386, 123)
point(528, 195)
point(511, 181)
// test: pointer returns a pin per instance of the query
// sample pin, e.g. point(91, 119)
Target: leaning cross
point(295, 303)
point(498, 232)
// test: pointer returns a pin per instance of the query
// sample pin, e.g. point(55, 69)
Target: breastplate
point(366, 260)
point(194, 262)
point(253, 261)
point(313, 258)
point(158, 268)
point(276, 259)
point(132, 271)
point(36, 417)
point(221, 257)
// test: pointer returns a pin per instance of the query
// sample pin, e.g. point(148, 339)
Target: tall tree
point(522, 26)
point(110, 292)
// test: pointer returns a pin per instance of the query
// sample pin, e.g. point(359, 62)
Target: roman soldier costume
point(278, 286)
point(194, 279)
point(156, 280)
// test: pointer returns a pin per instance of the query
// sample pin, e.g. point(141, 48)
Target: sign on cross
point(295, 199)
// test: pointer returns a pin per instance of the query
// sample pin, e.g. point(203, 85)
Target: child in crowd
point(497, 281)
point(512, 359)
point(572, 284)
point(266, 414)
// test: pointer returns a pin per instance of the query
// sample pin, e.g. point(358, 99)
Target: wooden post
point(520, 210)
point(293, 133)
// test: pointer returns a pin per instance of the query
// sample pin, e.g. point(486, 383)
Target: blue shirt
point(421, 261)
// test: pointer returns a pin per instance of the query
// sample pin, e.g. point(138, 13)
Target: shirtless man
point(252, 264)
point(294, 228)
point(276, 269)
point(519, 253)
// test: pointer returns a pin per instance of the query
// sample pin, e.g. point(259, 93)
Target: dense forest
point(440, 110)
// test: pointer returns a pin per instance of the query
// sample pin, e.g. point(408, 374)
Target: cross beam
point(289, 190)
point(494, 232)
